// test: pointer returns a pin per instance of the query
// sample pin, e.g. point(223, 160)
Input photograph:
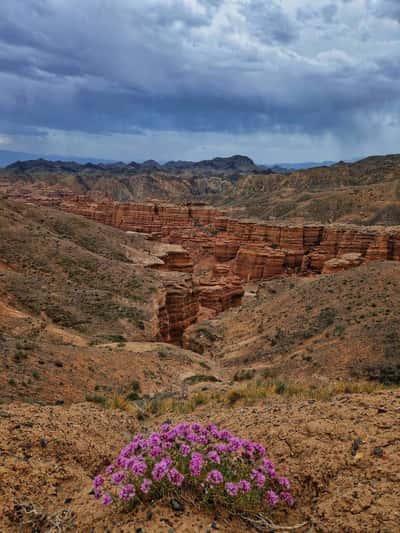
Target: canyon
point(148, 310)
point(205, 256)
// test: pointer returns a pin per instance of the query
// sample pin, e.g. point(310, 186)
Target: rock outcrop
point(179, 307)
point(220, 293)
point(250, 250)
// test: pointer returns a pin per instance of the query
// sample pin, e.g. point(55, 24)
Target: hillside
point(79, 313)
point(312, 329)
point(364, 192)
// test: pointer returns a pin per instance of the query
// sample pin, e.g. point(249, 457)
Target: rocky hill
point(309, 329)
point(364, 192)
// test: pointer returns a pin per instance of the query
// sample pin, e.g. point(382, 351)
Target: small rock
point(139, 530)
point(177, 506)
point(68, 500)
point(59, 402)
point(43, 443)
point(381, 410)
point(356, 445)
point(149, 515)
point(378, 452)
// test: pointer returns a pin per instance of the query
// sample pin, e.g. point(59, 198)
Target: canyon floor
point(117, 316)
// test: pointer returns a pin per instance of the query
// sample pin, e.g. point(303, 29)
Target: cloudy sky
point(278, 80)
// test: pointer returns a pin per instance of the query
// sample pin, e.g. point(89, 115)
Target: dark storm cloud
point(235, 66)
point(389, 9)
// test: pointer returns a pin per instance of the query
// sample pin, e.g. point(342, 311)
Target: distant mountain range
point(7, 157)
point(300, 166)
point(231, 166)
point(236, 163)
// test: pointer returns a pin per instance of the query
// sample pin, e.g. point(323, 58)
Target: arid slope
point(78, 314)
point(331, 326)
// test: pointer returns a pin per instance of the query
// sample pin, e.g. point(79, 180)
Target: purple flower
point(171, 435)
point(212, 428)
point(139, 468)
point(110, 469)
point(146, 485)
point(175, 477)
point(97, 493)
point(160, 469)
point(221, 448)
point(106, 499)
point(196, 464)
point(231, 489)
point(272, 498)
point(182, 429)
point(287, 497)
point(225, 435)
point(269, 468)
point(196, 427)
point(244, 486)
point(258, 477)
point(118, 477)
point(259, 449)
point(234, 444)
point(214, 457)
point(98, 482)
point(185, 450)
point(215, 477)
point(156, 451)
point(154, 440)
point(284, 482)
point(127, 492)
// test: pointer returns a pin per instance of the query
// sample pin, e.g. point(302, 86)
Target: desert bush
point(96, 398)
point(213, 465)
point(121, 403)
point(200, 378)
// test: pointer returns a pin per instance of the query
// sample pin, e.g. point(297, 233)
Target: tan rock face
point(221, 293)
point(259, 261)
point(342, 262)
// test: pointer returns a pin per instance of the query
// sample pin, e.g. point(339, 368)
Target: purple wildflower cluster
point(213, 462)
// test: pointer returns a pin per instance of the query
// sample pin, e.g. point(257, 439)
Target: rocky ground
point(342, 455)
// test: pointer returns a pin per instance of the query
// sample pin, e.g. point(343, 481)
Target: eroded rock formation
point(179, 306)
point(218, 253)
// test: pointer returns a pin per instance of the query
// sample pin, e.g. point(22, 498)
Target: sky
point(277, 80)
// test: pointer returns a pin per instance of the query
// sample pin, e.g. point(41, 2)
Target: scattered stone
point(177, 506)
point(377, 451)
point(356, 445)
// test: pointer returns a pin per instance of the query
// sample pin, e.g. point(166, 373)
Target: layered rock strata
point(180, 306)
point(254, 250)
